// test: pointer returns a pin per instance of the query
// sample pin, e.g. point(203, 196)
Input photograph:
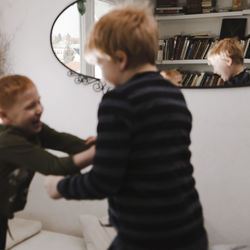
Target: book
point(197, 49)
point(184, 47)
point(194, 6)
point(168, 11)
point(165, 51)
point(183, 56)
point(174, 47)
point(166, 3)
point(206, 49)
point(192, 52)
point(198, 83)
point(233, 27)
point(161, 45)
point(246, 47)
point(201, 49)
point(195, 79)
point(169, 8)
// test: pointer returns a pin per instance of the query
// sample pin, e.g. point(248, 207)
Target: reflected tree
point(3, 50)
point(68, 54)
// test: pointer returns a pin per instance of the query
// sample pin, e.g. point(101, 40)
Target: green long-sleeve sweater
point(22, 155)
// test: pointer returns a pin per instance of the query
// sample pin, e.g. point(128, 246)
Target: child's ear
point(4, 117)
point(122, 59)
point(229, 61)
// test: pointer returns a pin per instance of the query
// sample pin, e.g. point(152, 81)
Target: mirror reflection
point(69, 31)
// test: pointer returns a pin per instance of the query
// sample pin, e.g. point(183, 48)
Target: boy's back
point(142, 165)
point(156, 206)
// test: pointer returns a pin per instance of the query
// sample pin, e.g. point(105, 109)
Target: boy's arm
point(110, 161)
point(64, 142)
point(23, 154)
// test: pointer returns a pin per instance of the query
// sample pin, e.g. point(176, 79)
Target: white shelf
point(207, 15)
point(193, 61)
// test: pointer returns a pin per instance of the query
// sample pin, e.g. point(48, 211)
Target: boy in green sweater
point(23, 139)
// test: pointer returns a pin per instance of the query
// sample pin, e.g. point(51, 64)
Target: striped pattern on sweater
point(142, 165)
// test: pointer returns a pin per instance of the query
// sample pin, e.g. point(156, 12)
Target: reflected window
point(69, 34)
point(101, 8)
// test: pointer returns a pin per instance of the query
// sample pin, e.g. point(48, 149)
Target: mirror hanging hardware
point(97, 84)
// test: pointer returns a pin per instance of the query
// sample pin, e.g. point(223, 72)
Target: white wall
point(220, 136)
point(68, 107)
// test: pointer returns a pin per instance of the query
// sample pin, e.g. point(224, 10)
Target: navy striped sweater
point(142, 165)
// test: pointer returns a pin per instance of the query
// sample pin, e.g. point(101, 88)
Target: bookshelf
point(191, 24)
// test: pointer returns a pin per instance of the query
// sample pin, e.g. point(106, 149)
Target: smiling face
point(26, 112)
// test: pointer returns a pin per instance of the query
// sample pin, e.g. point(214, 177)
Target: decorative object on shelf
point(208, 6)
point(237, 4)
point(81, 7)
point(233, 27)
point(194, 6)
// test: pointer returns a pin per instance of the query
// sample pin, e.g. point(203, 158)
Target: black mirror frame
point(97, 84)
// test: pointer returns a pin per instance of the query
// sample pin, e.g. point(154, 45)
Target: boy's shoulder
point(12, 136)
point(143, 80)
point(241, 79)
point(9, 136)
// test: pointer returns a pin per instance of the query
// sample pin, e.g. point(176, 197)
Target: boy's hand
point(50, 185)
point(90, 140)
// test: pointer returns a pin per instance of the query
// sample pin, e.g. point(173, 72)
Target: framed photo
point(233, 27)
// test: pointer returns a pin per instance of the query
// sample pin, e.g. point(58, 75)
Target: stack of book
point(182, 47)
point(167, 7)
point(169, 10)
point(203, 79)
point(208, 6)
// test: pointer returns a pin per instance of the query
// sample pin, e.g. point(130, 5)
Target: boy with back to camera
point(23, 138)
point(226, 58)
point(142, 161)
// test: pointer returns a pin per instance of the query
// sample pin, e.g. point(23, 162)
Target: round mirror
point(69, 31)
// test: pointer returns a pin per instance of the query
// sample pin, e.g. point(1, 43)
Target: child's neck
point(129, 73)
point(237, 70)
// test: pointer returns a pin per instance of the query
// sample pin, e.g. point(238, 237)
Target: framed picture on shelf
point(233, 27)
point(237, 4)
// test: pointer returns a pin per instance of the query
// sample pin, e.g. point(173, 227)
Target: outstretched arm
point(111, 158)
point(84, 158)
